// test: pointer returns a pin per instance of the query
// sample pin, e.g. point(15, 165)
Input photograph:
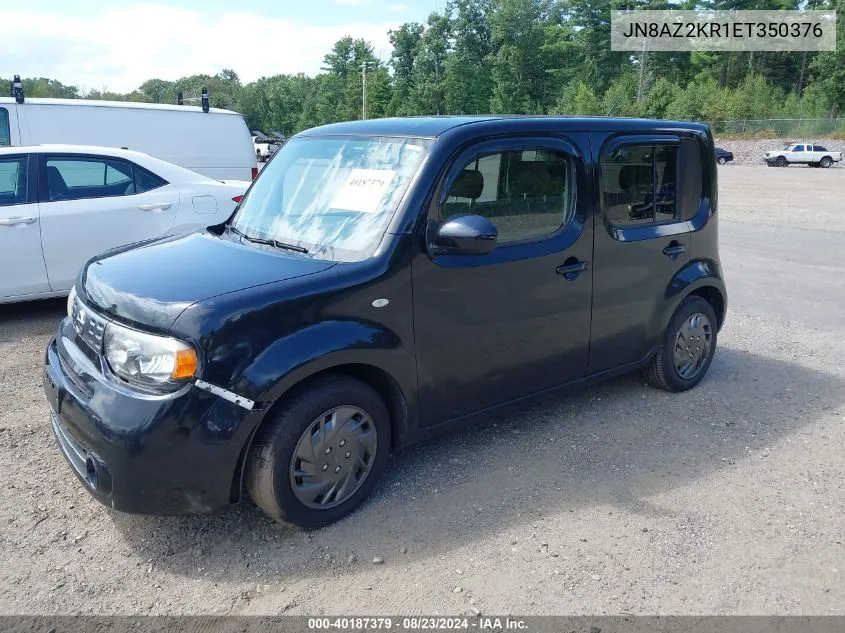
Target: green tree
point(468, 84)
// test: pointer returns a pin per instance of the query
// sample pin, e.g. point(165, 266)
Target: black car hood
point(153, 283)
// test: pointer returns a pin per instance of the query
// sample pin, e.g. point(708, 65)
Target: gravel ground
point(727, 499)
point(750, 152)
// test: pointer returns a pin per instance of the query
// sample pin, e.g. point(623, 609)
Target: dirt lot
point(727, 499)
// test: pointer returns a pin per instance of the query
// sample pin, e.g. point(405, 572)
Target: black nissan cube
point(380, 282)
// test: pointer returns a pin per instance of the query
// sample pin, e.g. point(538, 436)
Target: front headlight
point(148, 360)
point(70, 299)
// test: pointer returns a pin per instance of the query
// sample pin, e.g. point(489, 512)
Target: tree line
point(528, 57)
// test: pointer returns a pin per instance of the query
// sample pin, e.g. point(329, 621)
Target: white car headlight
point(148, 360)
point(70, 299)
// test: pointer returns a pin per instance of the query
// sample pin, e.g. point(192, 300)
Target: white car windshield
point(333, 196)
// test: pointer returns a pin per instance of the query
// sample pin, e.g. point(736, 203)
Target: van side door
point(649, 190)
point(490, 328)
point(22, 269)
point(90, 204)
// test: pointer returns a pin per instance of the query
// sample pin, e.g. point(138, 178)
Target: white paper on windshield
point(363, 190)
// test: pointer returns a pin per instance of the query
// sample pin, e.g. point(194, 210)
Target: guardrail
point(781, 127)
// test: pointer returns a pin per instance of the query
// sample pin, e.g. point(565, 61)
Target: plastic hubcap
point(333, 457)
point(692, 346)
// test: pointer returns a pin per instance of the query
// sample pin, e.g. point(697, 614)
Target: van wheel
point(825, 162)
point(320, 453)
point(687, 349)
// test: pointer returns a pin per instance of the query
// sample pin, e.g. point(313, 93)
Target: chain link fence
point(779, 128)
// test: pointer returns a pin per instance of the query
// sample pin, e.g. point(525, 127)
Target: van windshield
point(330, 196)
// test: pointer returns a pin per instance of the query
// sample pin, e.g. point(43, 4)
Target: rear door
point(642, 240)
point(22, 269)
point(90, 204)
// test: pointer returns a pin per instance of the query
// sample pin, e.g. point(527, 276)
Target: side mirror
point(464, 235)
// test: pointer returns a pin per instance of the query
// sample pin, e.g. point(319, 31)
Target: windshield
point(330, 196)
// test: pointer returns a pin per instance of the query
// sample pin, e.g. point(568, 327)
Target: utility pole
point(364, 66)
point(642, 71)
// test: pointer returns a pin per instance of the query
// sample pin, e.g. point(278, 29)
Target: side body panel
point(214, 144)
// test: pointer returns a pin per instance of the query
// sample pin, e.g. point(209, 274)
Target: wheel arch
point(702, 278)
point(377, 378)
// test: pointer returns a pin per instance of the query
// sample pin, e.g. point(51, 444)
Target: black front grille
point(89, 327)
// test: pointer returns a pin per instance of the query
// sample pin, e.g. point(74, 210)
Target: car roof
point(163, 168)
point(96, 103)
point(65, 148)
point(434, 126)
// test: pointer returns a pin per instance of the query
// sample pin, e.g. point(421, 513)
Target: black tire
point(661, 371)
point(722, 160)
point(825, 162)
point(268, 475)
point(781, 161)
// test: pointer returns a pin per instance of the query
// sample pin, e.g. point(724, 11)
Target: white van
point(217, 143)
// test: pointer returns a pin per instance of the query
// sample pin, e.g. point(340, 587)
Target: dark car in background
point(723, 156)
point(381, 282)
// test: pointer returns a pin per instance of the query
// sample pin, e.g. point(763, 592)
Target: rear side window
point(5, 130)
point(526, 194)
point(78, 178)
point(639, 184)
point(819, 148)
point(145, 180)
point(13, 174)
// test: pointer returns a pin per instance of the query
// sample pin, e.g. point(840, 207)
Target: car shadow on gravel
point(19, 318)
point(610, 445)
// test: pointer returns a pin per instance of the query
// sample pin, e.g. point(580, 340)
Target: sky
point(119, 44)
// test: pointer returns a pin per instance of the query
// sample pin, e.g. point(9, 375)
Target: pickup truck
point(265, 146)
point(806, 153)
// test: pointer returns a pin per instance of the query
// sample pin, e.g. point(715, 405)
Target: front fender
point(321, 346)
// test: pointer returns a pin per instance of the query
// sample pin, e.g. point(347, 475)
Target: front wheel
point(687, 348)
point(320, 454)
point(781, 161)
point(825, 162)
point(722, 160)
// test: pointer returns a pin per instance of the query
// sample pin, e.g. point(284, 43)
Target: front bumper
point(177, 453)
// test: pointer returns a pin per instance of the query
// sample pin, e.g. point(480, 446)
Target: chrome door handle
point(161, 206)
point(14, 221)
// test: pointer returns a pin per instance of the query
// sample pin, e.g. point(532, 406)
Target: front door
point(90, 204)
point(650, 190)
point(495, 327)
point(22, 270)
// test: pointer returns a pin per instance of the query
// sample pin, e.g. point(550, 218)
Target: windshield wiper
point(267, 242)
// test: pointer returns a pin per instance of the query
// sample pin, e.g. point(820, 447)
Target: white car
point(60, 205)
point(802, 153)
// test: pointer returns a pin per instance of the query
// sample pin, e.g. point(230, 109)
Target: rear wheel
point(320, 454)
point(826, 162)
point(687, 348)
point(781, 161)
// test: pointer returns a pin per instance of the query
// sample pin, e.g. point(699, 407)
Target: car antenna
point(618, 99)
